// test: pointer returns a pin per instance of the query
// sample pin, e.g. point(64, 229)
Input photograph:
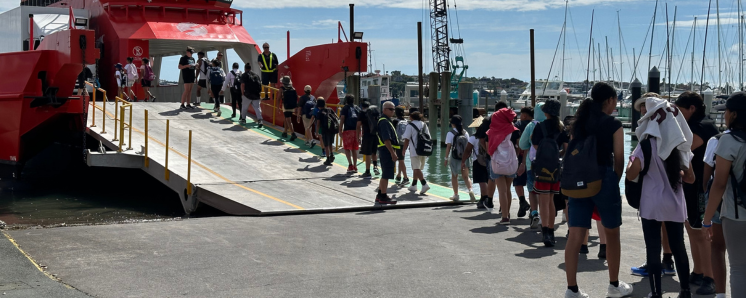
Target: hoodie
point(525, 142)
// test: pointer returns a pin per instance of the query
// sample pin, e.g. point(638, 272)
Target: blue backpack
point(308, 108)
point(217, 76)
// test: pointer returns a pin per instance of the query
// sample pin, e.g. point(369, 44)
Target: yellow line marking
point(214, 173)
point(29, 257)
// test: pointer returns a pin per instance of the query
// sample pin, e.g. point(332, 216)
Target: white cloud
point(494, 5)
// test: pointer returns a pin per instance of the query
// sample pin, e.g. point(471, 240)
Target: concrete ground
point(452, 251)
point(19, 277)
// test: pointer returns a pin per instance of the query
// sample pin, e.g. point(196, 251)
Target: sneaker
point(293, 137)
point(397, 180)
point(547, 238)
point(349, 169)
point(312, 144)
point(412, 188)
point(331, 159)
point(328, 161)
point(354, 169)
point(623, 290)
point(584, 249)
point(523, 207)
point(189, 106)
point(454, 198)
point(696, 278)
point(480, 204)
point(242, 121)
point(488, 203)
point(259, 126)
point(505, 221)
point(376, 171)
point(668, 268)
point(570, 294)
point(220, 113)
point(405, 182)
point(688, 293)
point(135, 98)
point(642, 270)
point(602, 252)
point(707, 287)
point(284, 135)
point(424, 189)
point(384, 199)
point(534, 219)
point(366, 175)
point(233, 115)
point(182, 107)
point(323, 152)
point(472, 196)
point(152, 99)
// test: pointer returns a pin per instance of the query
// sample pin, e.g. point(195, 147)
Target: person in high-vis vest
point(268, 65)
point(388, 143)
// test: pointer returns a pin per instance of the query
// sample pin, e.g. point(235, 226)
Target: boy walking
point(347, 130)
point(388, 143)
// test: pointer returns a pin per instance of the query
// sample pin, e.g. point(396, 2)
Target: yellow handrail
point(272, 93)
point(93, 103)
point(336, 137)
point(122, 124)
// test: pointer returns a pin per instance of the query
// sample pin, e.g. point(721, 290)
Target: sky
point(496, 34)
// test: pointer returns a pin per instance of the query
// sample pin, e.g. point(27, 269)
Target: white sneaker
point(622, 290)
point(454, 198)
point(220, 113)
point(424, 189)
point(413, 188)
point(472, 196)
point(570, 294)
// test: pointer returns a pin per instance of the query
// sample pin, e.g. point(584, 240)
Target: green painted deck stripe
point(340, 158)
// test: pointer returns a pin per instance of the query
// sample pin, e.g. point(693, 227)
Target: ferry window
point(365, 83)
point(384, 81)
point(375, 82)
point(414, 93)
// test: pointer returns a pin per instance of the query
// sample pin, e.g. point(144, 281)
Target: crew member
point(268, 65)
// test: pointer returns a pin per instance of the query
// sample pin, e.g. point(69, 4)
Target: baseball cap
point(735, 102)
point(190, 49)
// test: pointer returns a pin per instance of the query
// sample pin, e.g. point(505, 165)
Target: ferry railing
point(273, 94)
point(123, 123)
point(103, 108)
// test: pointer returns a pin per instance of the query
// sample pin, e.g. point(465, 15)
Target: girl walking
point(501, 130)
point(456, 141)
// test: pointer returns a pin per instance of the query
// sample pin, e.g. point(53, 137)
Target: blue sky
point(496, 33)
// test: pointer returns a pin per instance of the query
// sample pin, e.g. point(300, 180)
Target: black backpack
point(332, 121)
point(424, 142)
point(253, 86)
point(236, 81)
point(633, 190)
point(546, 166)
point(581, 175)
point(372, 115)
point(459, 145)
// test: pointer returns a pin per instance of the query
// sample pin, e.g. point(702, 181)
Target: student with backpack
point(233, 83)
point(328, 123)
point(289, 99)
point(307, 104)
point(479, 172)
point(120, 77)
point(657, 164)
point(417, 139)
point(530, 153)
point(367, 128)
point(203, 67)
point(692, 106)
point(503, 158)
point(348, 131)
point(717, 241)
point(456, 141)
point(526, 117)
point(548, 140)
point(401, 126)
point(216, 80)
point(148, 77)
point(590, 178)
point(251, 87)
point(729, 188)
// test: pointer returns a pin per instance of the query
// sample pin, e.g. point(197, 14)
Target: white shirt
point(712, 145)
point(230, 78)
point(411, 134)
point(451, 134)
point(131, 71)
point(118, 75)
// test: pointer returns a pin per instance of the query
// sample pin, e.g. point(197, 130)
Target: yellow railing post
point(116, 112)
point(147, 162)
point(103, 102)
point(93, 110)
point(121, 130)
point(189, 166)
point(167, 127)
point(129, 146)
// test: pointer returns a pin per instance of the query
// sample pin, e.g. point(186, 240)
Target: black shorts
point(288, 114)
point(146, 83)
point(369, 145)
point(480, 173)
point(387, 165)
point(694, 198)
point(399, 154)
point(202, 83)
point(521, 180)
point(269, 77)
point(188, 80)
point(328, 139)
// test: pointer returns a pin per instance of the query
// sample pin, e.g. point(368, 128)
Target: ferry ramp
point(238, 169)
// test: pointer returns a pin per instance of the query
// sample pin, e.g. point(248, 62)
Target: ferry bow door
point(137, 49)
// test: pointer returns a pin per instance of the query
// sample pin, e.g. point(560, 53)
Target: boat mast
point(670, 56)
point(704, 49)
point(691, 85)
point(621, 58)
point(720, 63)
point(600, 70)
point(564, 37)
point(608, 66)
point(588, 63)
point(740, 48)
point(650, 53)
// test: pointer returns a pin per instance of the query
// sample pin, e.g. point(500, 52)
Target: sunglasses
point(266, 47)
point(390, 109)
